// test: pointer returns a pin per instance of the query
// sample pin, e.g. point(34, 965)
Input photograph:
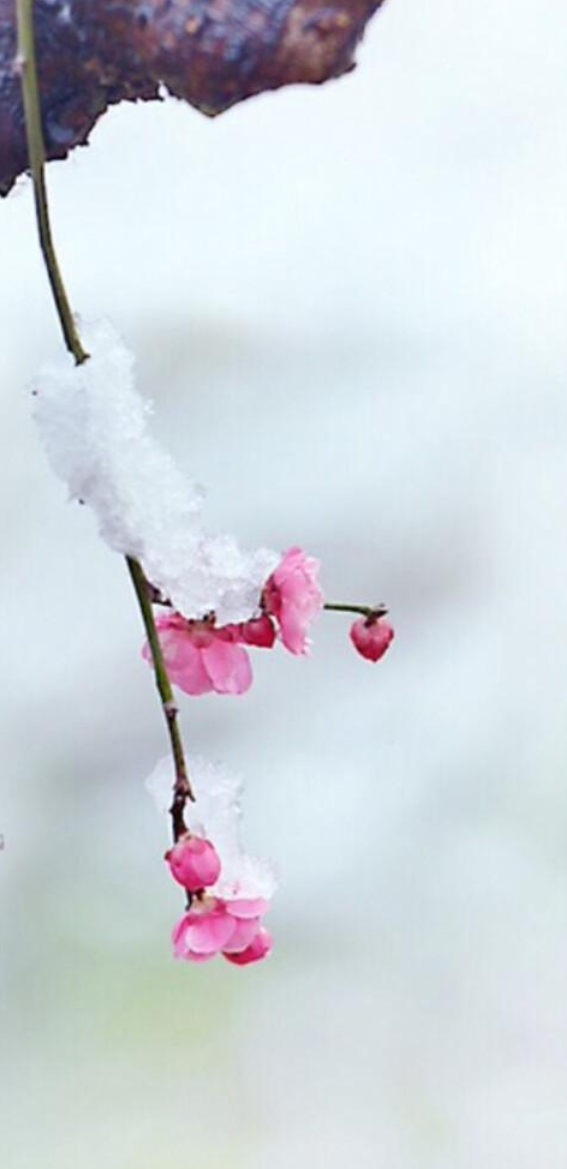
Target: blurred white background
point(348, 304)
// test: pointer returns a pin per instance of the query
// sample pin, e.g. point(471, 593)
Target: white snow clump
point(94, 426)
point(216, 815)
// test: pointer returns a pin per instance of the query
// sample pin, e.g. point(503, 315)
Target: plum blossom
point(371, 637)
point(213, 926)
point(200, 657)
point(292, 595)
point(194, 862)
point(202, 932)
point(227, 917)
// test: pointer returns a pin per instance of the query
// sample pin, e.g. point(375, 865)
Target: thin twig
point(182, 790)
point(373, 612)
point(27, 65)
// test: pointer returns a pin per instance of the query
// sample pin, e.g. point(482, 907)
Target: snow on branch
point(94, 427)
point(218, 816)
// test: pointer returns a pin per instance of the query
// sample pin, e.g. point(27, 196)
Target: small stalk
point(371, 612)
point(182, 790)
point(26, 63)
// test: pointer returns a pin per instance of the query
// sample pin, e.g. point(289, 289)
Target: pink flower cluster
point(231, 928)
point(214, 925)
point(201, 656)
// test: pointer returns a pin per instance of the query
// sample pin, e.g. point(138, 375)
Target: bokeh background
point(348, 304)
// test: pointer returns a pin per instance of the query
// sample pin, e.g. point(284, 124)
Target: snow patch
point(94, 426)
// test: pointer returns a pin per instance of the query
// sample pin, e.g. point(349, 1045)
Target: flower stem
point(182, 790)
point(26, 62)
point(373, 611)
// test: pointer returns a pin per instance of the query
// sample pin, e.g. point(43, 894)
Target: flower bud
point(194, 862)
point(259, 631)
point(371, 637)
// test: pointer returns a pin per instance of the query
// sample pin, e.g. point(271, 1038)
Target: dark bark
point(212, 53)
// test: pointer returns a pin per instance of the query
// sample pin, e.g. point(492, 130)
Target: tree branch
point(34, 137)
point(371, 611)
point(182, 789)
point(27, 66)
point(211, 53)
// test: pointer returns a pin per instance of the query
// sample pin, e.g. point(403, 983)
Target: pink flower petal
point(200, 633)
point(244, 907)
point(211, 933)
point(171, 620)
point(228, 667)
point(182, 658)
point(187, 668)
point(178, 937)
point(292, 595)
point(203, 931)
point(200, 658)
point(293, 626)
point(228, 632)
point(244, 934)
point(258, 949)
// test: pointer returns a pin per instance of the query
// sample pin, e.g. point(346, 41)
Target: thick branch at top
point(212, 53)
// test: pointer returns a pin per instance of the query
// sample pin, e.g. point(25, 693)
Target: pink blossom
point(203, 931)
point(245, 930)
point(194, 862)
point(293, 596)
point(259, 948)
point(200, 657)
point(371, 637)
point(214, 926)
